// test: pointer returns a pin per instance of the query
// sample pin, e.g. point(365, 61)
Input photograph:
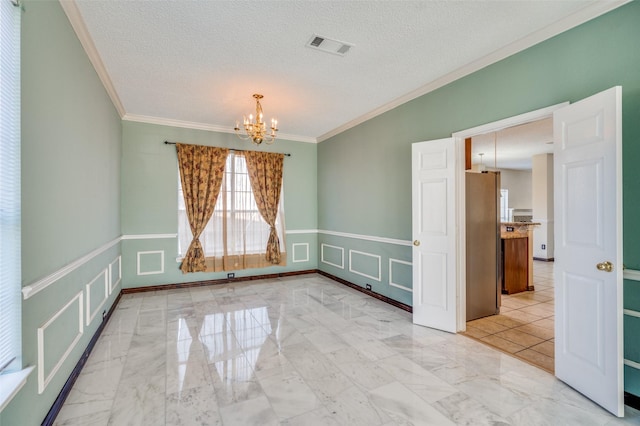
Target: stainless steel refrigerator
point(482, 194)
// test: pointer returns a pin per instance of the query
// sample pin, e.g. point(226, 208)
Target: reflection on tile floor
point(303, 350)
point(525, 324)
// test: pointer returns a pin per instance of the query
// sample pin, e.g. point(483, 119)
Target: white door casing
point(588, 233)
point(434, 234)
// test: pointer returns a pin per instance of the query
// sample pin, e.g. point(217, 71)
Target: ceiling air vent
point(317, 41)
point(328, 45)
point(344, 49)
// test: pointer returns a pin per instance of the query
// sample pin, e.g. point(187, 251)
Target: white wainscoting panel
point(305, 258)
point(322, 259)
point(40, 285)
point(301, 231)
point(628, 362)
point(115, 273)
point(149, 236)
point(631, 313)
point(100, 286)
point(364, 274)
point(393, 284)
point(150, 253)
point(631, 274)
point(373, 238)
point(43, 380)
point(632, 364)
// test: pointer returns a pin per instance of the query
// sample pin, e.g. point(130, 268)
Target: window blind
point(10, 269)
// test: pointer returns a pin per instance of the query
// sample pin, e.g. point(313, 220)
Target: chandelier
point(257, 130)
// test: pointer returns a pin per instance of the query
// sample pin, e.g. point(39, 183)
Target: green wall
point(88, 177)
point(364, 174)
point(71, 149)
point(150, 200)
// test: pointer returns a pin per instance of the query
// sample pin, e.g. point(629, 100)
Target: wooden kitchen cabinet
point(515, 263)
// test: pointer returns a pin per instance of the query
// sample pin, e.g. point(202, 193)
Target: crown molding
point(77, 23)
point(588, 13)
point(204, 126)
point(176, 123)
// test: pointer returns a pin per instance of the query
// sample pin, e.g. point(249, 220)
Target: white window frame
point(12, 376)
point(10, 271)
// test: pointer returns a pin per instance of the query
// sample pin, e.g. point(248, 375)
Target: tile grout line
point(542, 280)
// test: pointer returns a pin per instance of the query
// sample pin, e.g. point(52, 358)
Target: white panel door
point(588, 240)
point(433, 223)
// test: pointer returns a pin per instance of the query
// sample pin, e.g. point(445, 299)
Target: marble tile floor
point(525, 325)
point(304, 350)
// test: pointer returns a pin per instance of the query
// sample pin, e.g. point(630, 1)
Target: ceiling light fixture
point(257, 130)
point(481, 166)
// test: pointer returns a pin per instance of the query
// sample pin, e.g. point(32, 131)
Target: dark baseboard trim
point(632, 400)
point(268, 276)
point(369, 292)
point(215, 282)
point(541, 259)
point(66, 389)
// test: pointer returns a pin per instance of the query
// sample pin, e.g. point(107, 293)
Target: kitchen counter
point(520, 224)
point(512, 235)
point(520, 229)
point(517, 230)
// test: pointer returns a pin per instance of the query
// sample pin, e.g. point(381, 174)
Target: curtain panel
point(265, 175)
point(201, 172)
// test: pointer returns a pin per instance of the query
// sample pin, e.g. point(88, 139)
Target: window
point(236, 236)
point(10, 272)
point(504, 206)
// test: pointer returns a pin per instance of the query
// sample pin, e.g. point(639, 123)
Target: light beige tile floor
point(525, 325)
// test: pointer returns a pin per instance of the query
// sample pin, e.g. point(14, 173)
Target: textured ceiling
point(197, 63)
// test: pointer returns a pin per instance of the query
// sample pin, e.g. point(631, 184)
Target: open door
point(588, 244)
point(433, 223)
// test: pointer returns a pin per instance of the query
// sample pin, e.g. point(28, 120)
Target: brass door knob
point(605, 266)
point(416, 243)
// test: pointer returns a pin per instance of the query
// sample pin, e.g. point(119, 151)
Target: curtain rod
point(231, 149)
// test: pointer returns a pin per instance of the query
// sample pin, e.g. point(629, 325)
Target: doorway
point(520, 321)
point(459, 138)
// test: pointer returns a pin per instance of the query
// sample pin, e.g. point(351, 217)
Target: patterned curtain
point(201, 172)
point(265, 175)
